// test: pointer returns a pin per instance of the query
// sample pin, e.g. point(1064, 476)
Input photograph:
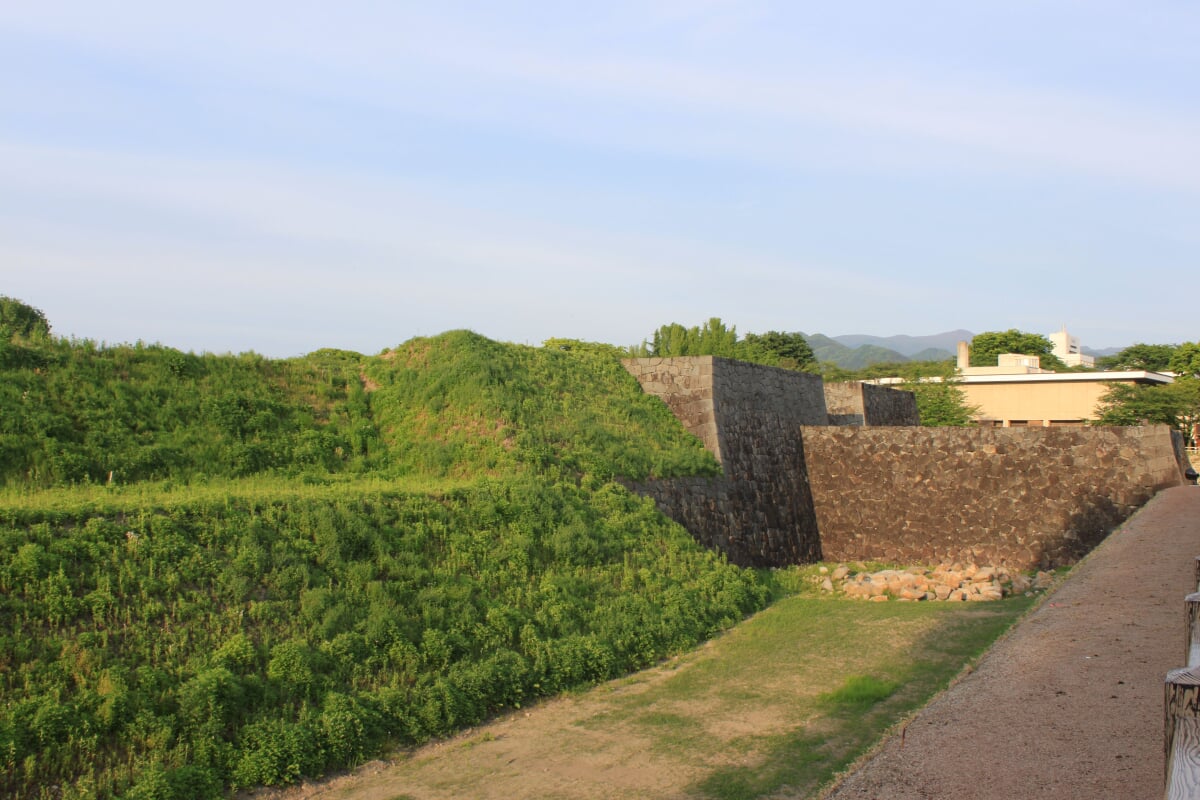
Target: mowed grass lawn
point(774, 708)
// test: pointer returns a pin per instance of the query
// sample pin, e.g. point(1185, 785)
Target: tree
point(711, 339)
point(987, 347)
point(1152, 357)
point(1176, 404)
point(787, 350)
point(1186, 360)
point(942, 403)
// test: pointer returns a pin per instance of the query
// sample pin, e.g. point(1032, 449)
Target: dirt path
point(1069, 705)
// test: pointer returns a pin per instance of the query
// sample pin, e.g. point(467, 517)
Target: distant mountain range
point(856, 351)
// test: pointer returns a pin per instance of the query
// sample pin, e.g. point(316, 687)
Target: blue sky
point(281, 177)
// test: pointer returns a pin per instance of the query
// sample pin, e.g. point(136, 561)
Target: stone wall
point(855, 403)
point(795, 489)
point(884, 405)
point(760, 512)
point(1020, 497)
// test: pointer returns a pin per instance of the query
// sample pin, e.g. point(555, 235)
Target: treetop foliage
point(1149, 357)
point(787, 350)
point(1176, 404)
point(987, 347)
point(1186, 360)
point(942, 403)
point(713, 338)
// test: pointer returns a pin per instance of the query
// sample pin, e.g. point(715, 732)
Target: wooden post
point(1181, 718)
point(1191, 636)
point(1198, 573)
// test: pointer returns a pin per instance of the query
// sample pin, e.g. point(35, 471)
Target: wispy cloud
point(551, 169)
point(787, 115)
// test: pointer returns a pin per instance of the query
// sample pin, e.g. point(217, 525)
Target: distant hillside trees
point(987, 347)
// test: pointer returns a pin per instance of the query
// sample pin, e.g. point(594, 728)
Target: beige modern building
point(1017, 391)
point(1046, 398)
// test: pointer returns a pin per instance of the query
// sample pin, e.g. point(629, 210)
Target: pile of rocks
point(944, 582)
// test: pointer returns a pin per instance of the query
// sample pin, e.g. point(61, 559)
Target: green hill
point(230, 571)
point(932, 354)
point(453, 405)
point(827, 349)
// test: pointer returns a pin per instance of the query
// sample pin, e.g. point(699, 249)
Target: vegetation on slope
point(297, 562)
point(457, 404)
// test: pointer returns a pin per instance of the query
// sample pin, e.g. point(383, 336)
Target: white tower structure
point(1066, 347)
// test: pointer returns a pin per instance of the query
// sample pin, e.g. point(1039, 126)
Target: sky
point(282, 177)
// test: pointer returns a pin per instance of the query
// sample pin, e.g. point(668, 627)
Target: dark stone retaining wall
point(1021, 497)
point(883, 405)
point(760, 511)
point(854, 403)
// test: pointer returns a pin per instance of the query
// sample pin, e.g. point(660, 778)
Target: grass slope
point(454, 405)
point(226, 571)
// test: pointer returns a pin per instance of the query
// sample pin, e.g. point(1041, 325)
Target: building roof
point(1137, 376)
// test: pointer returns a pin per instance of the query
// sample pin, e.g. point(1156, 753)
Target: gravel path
point(1069, 705)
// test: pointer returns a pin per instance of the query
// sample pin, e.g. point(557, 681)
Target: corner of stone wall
point(749, 416)
point(885, 405)
point(858, 403)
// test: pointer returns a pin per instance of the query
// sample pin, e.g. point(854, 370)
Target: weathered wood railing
point(1181, 710)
